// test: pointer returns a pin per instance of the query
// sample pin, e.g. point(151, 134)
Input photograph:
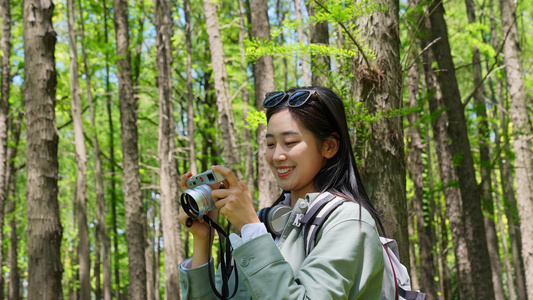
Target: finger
point(232, 180)
point(183, 182)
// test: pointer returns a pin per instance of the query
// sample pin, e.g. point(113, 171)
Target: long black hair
point(325, 116)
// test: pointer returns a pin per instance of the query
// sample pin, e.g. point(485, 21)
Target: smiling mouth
point(284, 170)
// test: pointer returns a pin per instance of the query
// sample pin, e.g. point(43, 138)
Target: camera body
point(197, 199)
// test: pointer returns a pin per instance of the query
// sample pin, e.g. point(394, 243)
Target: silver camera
point(197, 199)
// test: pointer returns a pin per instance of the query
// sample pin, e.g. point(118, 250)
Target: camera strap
point(225, 263)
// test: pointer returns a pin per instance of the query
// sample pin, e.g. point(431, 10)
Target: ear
point(331, 146)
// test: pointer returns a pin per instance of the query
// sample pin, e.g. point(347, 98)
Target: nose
point(279, 154)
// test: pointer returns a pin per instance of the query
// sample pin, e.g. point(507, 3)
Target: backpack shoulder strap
point(315, 216)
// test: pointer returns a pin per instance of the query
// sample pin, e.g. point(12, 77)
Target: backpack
point(396, 280)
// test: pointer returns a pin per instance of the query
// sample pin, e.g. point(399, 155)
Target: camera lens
point(196, 202)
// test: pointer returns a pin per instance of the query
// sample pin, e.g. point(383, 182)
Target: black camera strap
point(225, 263)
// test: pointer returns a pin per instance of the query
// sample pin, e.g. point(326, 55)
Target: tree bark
point(485, 165)
point(268, 188)
point(14, 274)
point(320, 64)
point(225, 112)
point(168, 172)
point(190, 94)
point(505, 245)
point(44, 226)
point(462, 158)
point(383, 168)
point(5, 48)
point(423, 214)
point(448, 176)
point(81, 161)
point(300, 33)
point(135, 217)
point(523, 163)
point(247, 133)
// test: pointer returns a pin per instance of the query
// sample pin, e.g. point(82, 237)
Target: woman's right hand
point(199, 228)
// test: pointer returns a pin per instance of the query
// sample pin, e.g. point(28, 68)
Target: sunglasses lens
point(273, 98)
point(299, 98)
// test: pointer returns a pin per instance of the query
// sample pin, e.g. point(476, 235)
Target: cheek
point(268, 156)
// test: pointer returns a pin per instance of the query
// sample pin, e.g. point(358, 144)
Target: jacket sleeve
point(347, 263)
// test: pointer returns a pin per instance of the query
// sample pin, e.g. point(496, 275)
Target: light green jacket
point(346, 263)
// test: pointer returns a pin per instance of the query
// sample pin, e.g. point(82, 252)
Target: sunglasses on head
point(296, 98)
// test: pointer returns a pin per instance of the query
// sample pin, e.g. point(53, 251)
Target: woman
point(309, 152)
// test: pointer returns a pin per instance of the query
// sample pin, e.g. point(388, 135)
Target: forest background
point(104, 105)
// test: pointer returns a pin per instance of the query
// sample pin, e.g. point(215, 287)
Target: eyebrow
point(285, 133)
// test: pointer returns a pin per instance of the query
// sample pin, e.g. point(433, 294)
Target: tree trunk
point(101, 231)
point(247, 133)
point(5, 50)
point(485, 165)
point(81, 161)
point(383, 168)
point(112, 162)
point(522, 136)
point(511, 211)
point(190, 94)
point(300, 32)
point(268, 188)
point(415, 282)
point(44, 226)
point(424, 219)
point(14, 275)
point(448, 176)
point(320, 64)
point(135, 217)
point(462, 158)
point(505, 246)
point(168, 172)
point(225, 112)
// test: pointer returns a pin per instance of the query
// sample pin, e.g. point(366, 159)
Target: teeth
point(285, 170)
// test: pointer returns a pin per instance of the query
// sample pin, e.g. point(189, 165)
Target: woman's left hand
point(234, 202)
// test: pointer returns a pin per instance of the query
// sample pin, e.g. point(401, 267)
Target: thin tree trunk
point(383, 168)
point(225, 113)
point(448, 176)
point(300, 33)
point(424, 219)
point(462, 158)
point(415, 282)
point(5, 48)
point(485, 165)
point(522, 136)
point(101, 231)
point(320, 64)
point(280, 13)
point(135, 217)
point(44, 228)
point(506, 177)
point(81, 161)
point(190, 94)
point(247, 133)
point(113, 180)
point(268, 188)
point(503, 234)
point(166, 147)
point(14, 275)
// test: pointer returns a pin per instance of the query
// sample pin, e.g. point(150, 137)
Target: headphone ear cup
point(277, 218)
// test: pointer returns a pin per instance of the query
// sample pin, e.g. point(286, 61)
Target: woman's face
point(293, 154)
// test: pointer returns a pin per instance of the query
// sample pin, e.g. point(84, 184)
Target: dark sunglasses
point(296, 99)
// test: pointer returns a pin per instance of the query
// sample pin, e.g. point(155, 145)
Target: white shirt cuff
point(248, 232)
